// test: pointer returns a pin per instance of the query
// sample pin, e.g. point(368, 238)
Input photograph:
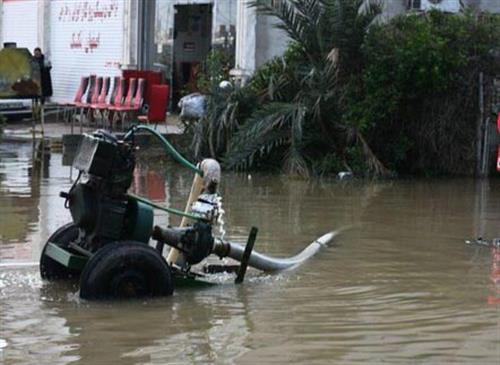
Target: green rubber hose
point(166, 144)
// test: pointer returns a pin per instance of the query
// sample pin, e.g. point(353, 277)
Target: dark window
point(414, 4)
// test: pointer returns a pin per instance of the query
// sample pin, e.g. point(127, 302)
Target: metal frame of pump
point(190, 244)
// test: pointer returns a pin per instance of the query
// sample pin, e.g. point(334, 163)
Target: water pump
point(106, 246)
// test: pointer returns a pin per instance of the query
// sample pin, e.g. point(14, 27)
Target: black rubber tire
point(50, 269)
point(126, 269)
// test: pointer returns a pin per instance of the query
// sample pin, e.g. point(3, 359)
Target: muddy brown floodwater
point(399, 287)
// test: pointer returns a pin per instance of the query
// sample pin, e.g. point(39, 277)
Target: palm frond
point(375, 166)
point(295, 163)
point(327, 36)
point(244, 157)
point(267, 128)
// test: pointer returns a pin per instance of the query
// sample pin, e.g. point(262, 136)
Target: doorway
point(192, 43)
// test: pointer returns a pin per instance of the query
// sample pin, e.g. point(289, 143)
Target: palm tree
point(301, 112)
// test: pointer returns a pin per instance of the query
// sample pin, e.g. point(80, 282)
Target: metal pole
point(246, 255)
point(72, 120)
point(81, 120)
point(480, 128)
point(33, 114)
point(486, 148)
point(42, 117)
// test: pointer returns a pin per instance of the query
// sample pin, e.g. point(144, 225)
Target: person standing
point(45, 79)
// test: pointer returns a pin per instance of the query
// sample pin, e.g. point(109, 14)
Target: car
point(14, 109)
point(19, 82)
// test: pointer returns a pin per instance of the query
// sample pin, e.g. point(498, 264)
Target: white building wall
point(20, 23)
point(452, 6)
point(270, 41)
point(397, 7)
point(86, 37)
point(245, 57)
point(257, 40)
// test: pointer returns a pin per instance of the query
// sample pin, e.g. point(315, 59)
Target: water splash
point(3, 344)
point(220, 218)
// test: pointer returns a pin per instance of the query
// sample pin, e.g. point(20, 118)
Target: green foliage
point(225, 109)
point(269, 80)
point(353, 94)
point(215, 69)
point(298, 119)
point(327, 164)
point(419, 97)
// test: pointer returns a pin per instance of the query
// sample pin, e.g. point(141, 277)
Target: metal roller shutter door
point(86, 38)
point(20, 23)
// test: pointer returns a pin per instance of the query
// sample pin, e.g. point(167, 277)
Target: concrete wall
point(493, 6)
point(391, 8)
point(270, 42)
point(396, 7)
point(1, 23)
point(44, 26)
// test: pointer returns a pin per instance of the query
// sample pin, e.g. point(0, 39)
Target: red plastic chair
point(97, 107)
point(115, 98)
point(158, 103)
point(68, 108)
point(118, 110)
point(94, 89)
point(128, 98)
point(82, 88)
point(96, 92)
point(82, 105)
point(101, 98)
point(117, 94)
point(136, 103)
point(92, 95)
point(117, 86)
point(127, 111)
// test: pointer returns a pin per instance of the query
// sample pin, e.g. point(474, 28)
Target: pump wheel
point(50, 269)
point(126, 269)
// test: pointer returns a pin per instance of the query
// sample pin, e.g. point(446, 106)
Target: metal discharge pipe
point(270, 264)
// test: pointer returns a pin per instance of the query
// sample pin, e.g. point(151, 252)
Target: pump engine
point(99, 206)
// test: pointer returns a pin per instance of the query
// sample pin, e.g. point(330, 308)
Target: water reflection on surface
point(399, 287)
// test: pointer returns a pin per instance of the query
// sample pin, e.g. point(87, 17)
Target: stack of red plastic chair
point(92, 95)
point(131, 105)
point(157, 112)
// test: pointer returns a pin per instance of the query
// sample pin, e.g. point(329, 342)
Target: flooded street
point(399, 286)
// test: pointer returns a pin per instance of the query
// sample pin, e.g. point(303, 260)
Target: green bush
point(225, 110)
point(352, 94)
point(419, 99)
